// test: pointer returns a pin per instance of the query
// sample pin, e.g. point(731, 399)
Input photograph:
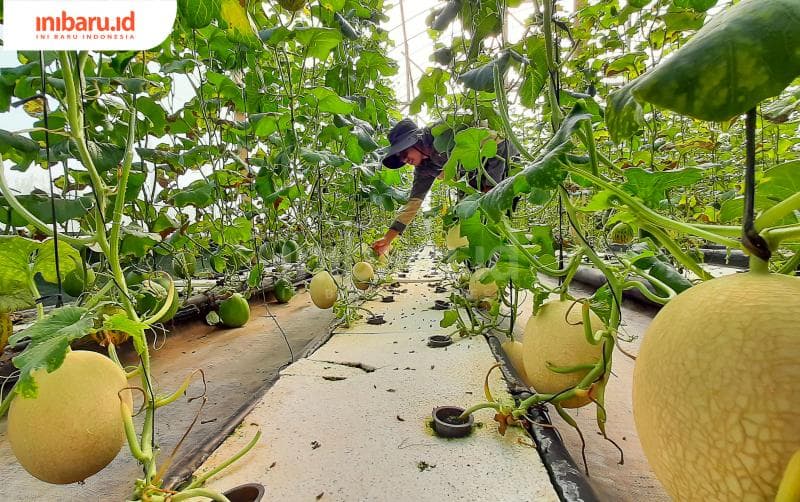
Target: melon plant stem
point(613, 282)
point(111, 247)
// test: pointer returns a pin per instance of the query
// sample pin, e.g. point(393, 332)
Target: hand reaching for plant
point(382, 245)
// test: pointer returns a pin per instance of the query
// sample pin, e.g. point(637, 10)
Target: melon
point(284, 290)
point(235, 311)
point(552, 336)
point(73, 428)
point(363, 273)
point(513, 349)
point(323, 290)
point(479, 290)
point(715, 388)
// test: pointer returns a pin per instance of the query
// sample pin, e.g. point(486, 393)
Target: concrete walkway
point(350, 422)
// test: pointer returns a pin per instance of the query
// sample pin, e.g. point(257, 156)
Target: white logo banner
point(87, 24)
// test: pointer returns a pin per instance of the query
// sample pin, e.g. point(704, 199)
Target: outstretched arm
point(420, 189)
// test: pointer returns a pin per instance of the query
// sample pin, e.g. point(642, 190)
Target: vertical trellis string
point(59, 296)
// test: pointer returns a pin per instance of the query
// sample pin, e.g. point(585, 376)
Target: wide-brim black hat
point(403, 136)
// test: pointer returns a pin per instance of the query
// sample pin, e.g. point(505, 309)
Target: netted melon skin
point(715, 393)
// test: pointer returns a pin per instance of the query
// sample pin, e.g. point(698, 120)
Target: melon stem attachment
point(752, 241)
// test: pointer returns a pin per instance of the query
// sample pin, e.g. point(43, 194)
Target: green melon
point(234, 312)
point(284, 290)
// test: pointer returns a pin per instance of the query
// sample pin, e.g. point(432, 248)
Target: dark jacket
point(427, 172)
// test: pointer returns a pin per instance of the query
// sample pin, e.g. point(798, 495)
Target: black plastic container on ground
point(439, 341)
point(251, 492)
point(446, 422)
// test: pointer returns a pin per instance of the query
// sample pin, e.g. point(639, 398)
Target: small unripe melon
point(478, 290)
point(454, 240)
point(362, 274)
point(555, 337)
point(73, 428)
point(715, 388)
point(235, 311)
point(323, 290)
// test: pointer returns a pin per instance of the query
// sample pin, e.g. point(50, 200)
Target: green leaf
point(544, 174)
point(482, 241)
point(136, 329)
point(602, 303)
point(240, 27)
point(198, 13)
point(136, 241)
point(520, 274)
point(431, 86)
point(255, 276)
point(199, 194)
point(702, 5)
point(333, 5)
point(468, 206)
point(45, 263)
point(651, 186)
point(15, 256)
point(39, 205)
point(329, 101)
point(319, 42)
point(624, 114)
point(780, 182)
point(240, 230)
point(50, 338)
point(535, 72)
point(482, 78)
point(473, 147)
point(739, 58)
point(449, 318)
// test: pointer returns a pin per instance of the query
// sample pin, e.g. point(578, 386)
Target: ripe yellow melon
point(73, 428)
point(323, 290)
point(555, 337)
point(478, 290)
point(454, 240)
point(363, 273)
point(715, 388)
point(513, 350)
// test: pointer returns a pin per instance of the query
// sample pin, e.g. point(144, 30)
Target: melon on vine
point(479, 290)
point(323, 290)
point(363, 273)
point(555, 336)
point(73, 428)
point(715, 388)
point(234, 312)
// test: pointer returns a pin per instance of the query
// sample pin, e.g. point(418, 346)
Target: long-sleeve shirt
point(427, 172)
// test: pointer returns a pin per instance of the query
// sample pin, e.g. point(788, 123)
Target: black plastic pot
point(445, 425)
point(250, 492)
point(439, 341)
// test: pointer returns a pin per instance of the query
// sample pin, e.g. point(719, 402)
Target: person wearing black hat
point(412, 145)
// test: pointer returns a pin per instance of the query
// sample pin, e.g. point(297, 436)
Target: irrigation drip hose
point(567, 478)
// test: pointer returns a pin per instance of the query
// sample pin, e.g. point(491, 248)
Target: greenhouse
point(384, 250)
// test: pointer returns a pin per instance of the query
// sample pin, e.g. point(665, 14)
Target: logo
point(87, 24)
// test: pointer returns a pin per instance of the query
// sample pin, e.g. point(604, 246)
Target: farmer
point(412, 145)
